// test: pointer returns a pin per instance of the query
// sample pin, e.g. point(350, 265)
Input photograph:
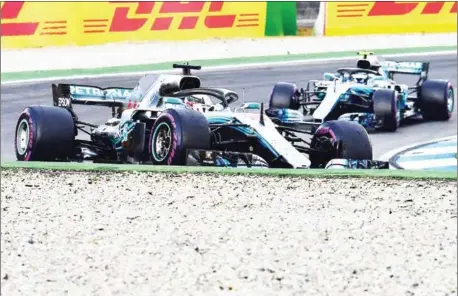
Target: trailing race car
point(369, 95)
point(172, 120)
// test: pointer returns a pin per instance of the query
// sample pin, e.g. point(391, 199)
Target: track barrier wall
point(49, 24)
point(367, 18)
point(45, 24)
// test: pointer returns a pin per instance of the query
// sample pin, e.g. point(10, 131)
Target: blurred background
point(307, 13)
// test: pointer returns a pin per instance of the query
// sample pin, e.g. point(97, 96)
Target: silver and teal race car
point(173, 120)
point(367, 94)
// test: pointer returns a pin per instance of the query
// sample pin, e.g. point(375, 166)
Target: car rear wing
point(66, 95)
point(406, 67)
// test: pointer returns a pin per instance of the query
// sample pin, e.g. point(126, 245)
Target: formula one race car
point(178, 122)
point(369, 95)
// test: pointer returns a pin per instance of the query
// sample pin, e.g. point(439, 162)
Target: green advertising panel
point(281, 19)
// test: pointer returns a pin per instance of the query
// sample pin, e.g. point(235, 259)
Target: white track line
point(430, 163)
point(389, 154)
point(217, 68)
point(431, 151)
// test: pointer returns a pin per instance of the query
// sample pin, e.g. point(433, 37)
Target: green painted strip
point(398, 174)
point(10, 76)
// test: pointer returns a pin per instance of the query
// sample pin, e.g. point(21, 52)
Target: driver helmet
point(361, 78)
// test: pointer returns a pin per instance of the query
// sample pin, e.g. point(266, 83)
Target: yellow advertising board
point(40, 24)
point(364, 18)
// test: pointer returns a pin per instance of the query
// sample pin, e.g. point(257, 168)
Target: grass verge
point(399, 174)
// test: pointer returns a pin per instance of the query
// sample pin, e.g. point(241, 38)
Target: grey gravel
point(183, 234)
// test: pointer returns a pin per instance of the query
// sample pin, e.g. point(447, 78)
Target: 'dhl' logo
point(11, 11)
point(162, 19)
point(393, 8)
point(346, 10)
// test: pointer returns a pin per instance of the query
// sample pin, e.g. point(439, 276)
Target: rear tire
point(44, 133)
point(175, 131)
point(386, 110)
point(437, 99)
point(339, 139)
point(284, 96)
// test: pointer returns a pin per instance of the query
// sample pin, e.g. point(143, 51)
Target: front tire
point(339, 139)
point(386, 110)
point(284, 96)
point(175, 131)
point(44, 133)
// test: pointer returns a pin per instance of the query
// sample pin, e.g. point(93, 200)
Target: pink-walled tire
point(349, 140)
point(44, 133)
point(175, 131)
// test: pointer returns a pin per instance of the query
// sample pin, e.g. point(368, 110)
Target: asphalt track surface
point(252, 84)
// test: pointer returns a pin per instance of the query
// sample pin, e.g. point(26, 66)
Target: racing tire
point(386, 110)
point(437, 99)
point(284, 96)
point(45, 133)
point(175, 131)
point(341, 140)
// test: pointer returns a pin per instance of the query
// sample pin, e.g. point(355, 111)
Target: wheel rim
point(162, 141)
point(326, 145)
point(450, 101)
point(22, 137)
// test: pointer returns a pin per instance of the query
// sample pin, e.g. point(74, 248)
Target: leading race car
point(172, 120)
point(369, 95)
